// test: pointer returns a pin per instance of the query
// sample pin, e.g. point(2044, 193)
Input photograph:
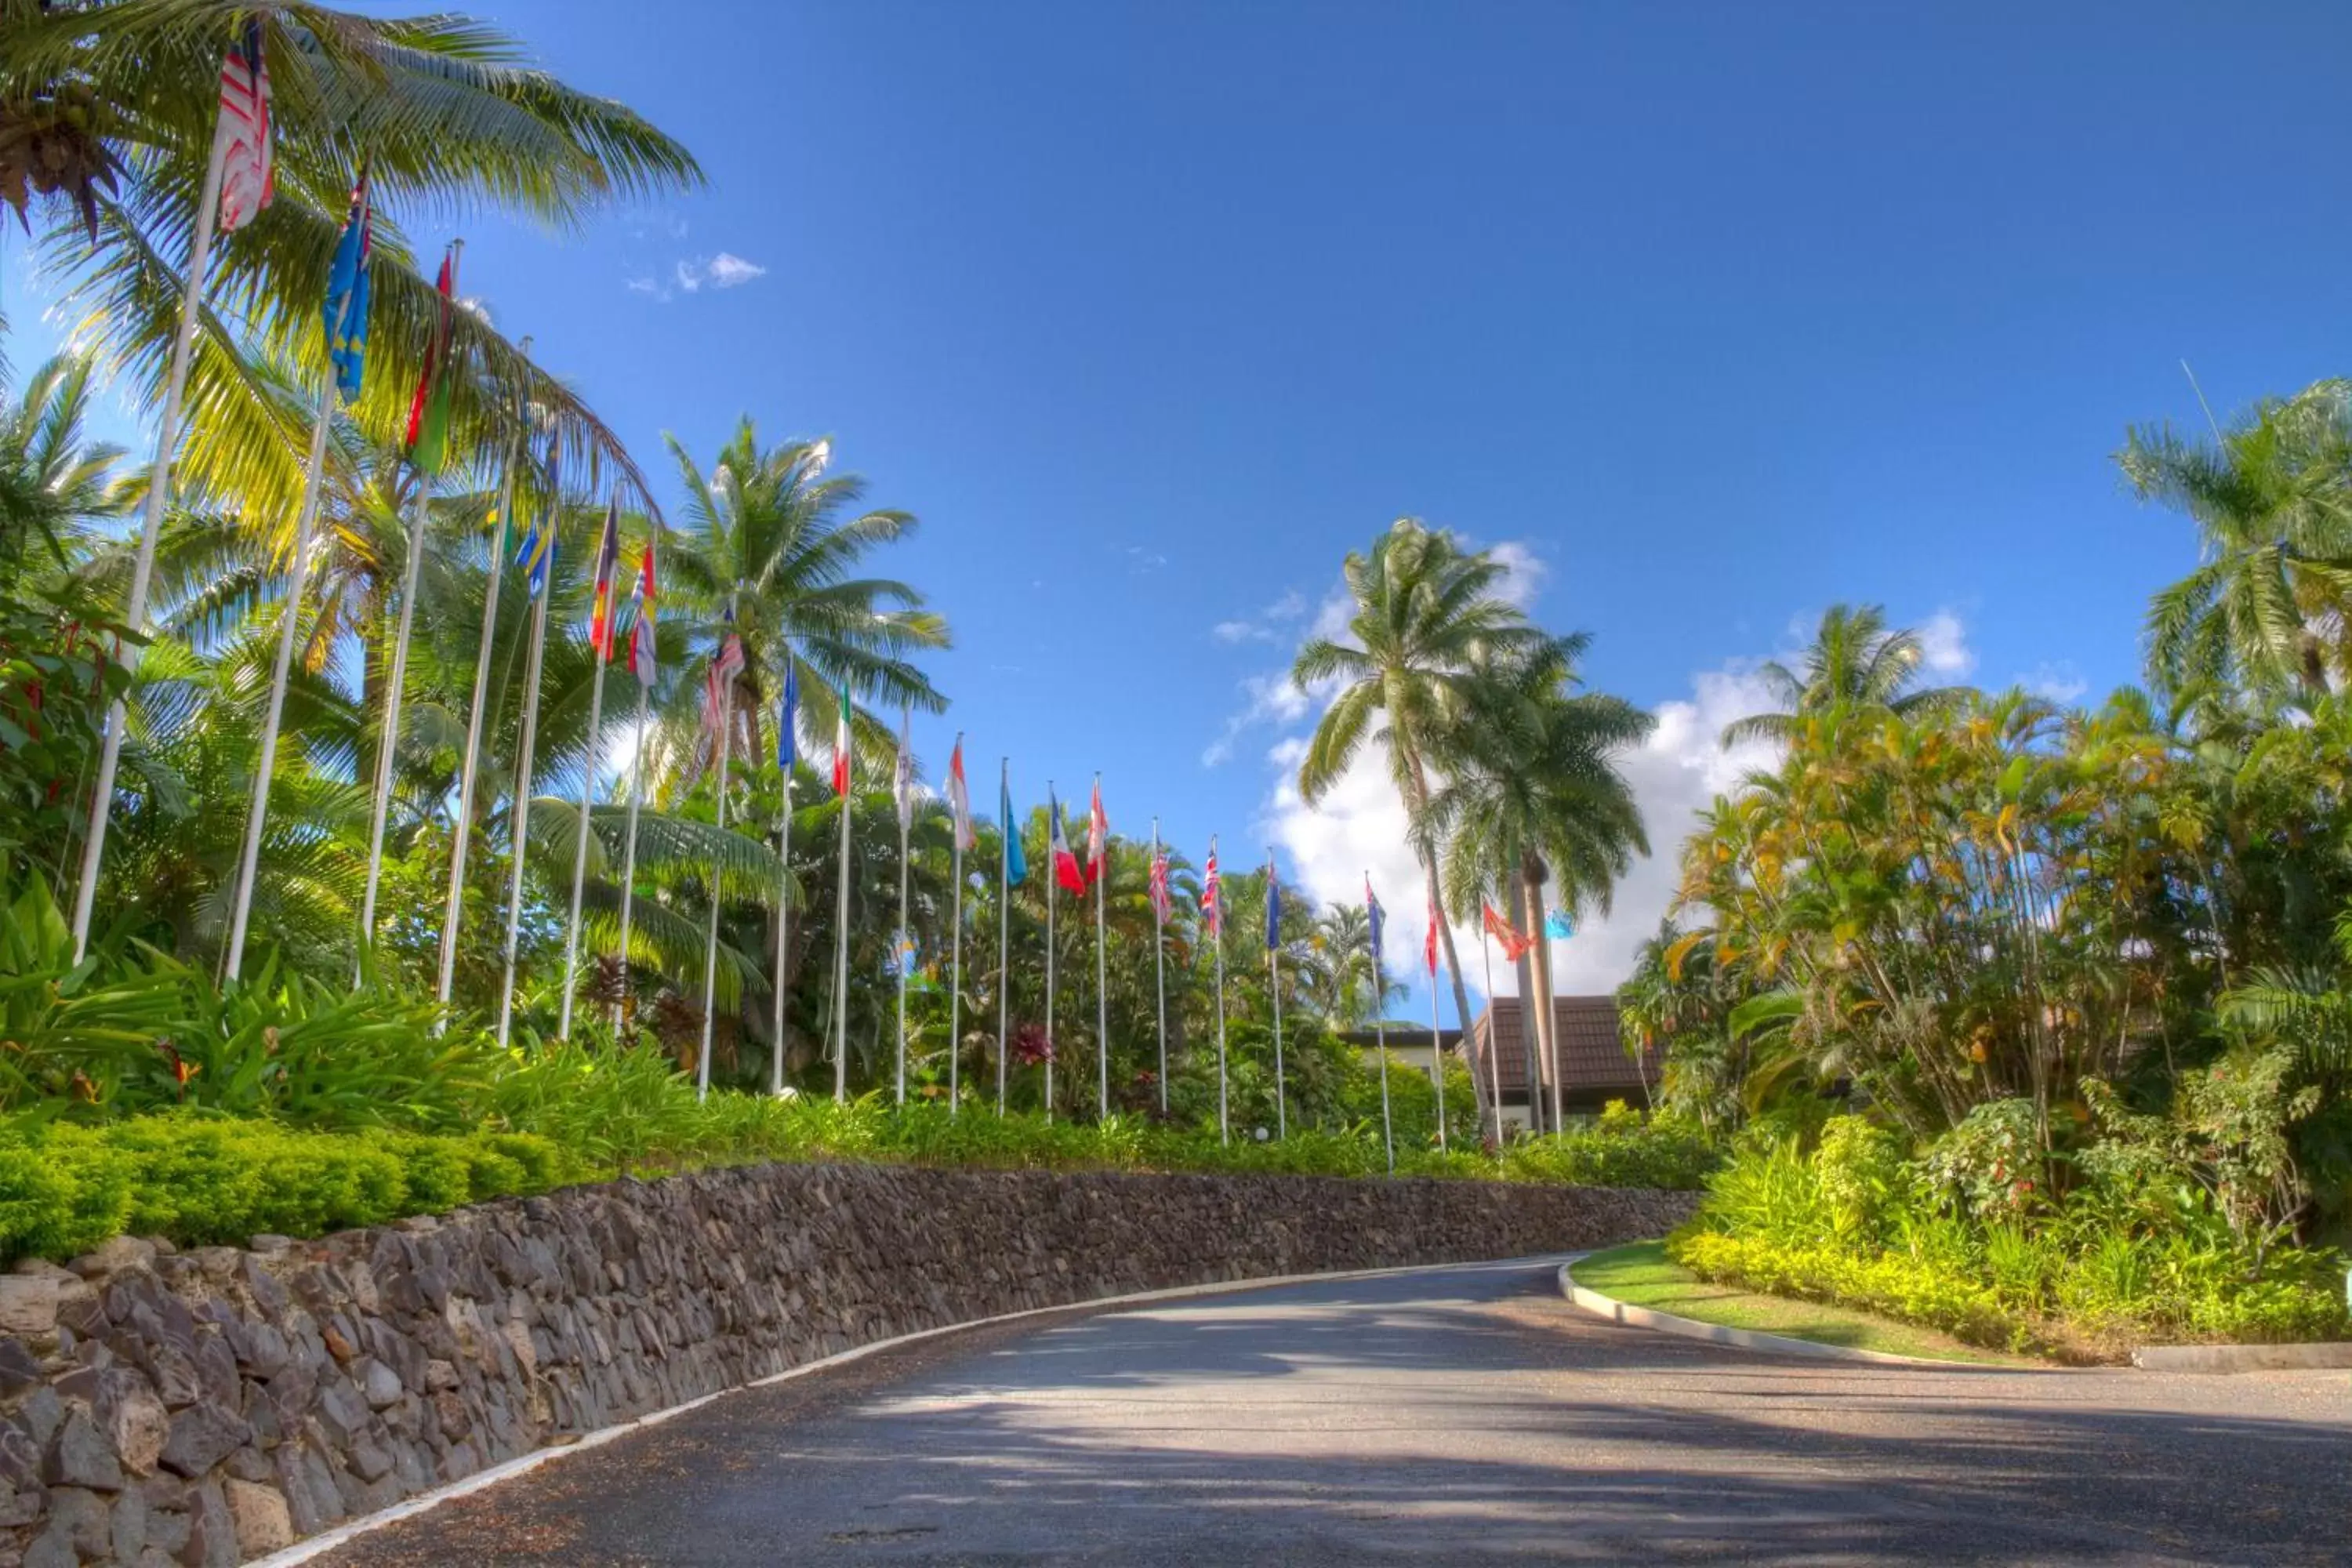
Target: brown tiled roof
point(1592, 1053)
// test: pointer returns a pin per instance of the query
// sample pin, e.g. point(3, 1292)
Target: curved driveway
point(1441, 1415)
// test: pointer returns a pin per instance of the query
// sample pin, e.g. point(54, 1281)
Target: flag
point(1161, 905)
point(1429, 943)
point(1502, 930)
point(1557, 926)
point(536, 555)
point(788, 721)
point(641, 620)
point(1065, 864)
point(725, 666)
point(841, 763)
point(346, 309)
point(1098, 836)
point(242, 133)
point(960, 797)
point(902, 784)
point(601, 626)
point(428, 410)
point(1213, 902)
point(1273, 907)
point(1016, 864)
point(1375, 916)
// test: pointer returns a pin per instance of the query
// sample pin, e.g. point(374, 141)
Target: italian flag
point(841, 749)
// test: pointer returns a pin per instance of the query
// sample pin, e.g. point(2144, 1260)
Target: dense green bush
point(2131, 1254)
point(1620, 1150)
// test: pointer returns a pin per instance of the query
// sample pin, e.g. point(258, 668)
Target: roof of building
point(1592, 1056)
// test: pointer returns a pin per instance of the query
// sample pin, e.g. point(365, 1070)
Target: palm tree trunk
point(1419, 801)
point(1550, 1014)
point(1535, 1004)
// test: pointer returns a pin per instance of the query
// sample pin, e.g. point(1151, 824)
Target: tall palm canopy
point(2272, 500)
point(107, 112)
point(1854, 664)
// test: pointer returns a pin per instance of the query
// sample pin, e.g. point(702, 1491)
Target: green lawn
point(1641, 1276)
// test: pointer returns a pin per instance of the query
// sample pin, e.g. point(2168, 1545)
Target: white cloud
point(726, 270)
point(651, 288)
point(1267, 626)
point(688, 275)
point(2060, 682)
point(1239, 631)
point(1944, 646)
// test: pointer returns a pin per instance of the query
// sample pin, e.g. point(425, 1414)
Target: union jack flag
point(1161, 904)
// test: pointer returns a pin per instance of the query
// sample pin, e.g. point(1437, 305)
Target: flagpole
point(1273, 990)
point(783, 931)
point(1053, 887)
point(906, 818)
point(1217, 938)
point(1102, 977)
point(520, 816)
point(955, 991)
point(629, 855)
point(579, 841)
point(455, 913)
point(1494, 1046)
point(394, 680)
point(142, 568)
point(841, 951)
point(1159, 971)
point(1003, 927)
point(726, 744)
point(1436, 1061)
point(1381, 1030)
point(289, 617)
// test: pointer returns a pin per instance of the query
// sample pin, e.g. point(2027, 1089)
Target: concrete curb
point(2242, 1358)
point(326, 1541)
point(1608, 1307)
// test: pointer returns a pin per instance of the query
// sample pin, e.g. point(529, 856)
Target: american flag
point(1213, 906)
point(1161, 905)
point(242, 133)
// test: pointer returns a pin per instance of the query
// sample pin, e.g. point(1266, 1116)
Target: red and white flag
point(1098, 836)
point(1429, 942)
point(1212, 903)
point(959, 798)
point(1065, 865)
point(242, 133)
point(1161, 904)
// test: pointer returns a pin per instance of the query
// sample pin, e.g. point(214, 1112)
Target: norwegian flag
point(1161, 904)
point(1212, 903)
point(242, 133)
point(1098, 836)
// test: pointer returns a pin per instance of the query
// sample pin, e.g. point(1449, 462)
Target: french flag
point(1065, 864)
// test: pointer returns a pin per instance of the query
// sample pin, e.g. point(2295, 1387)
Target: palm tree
point(54, 481)
point(1339, 967)
point(1533, 796)
point(765, 535)
point(107, 111)
point(1426, 616)
point(2272, 500)
point(1854, 664)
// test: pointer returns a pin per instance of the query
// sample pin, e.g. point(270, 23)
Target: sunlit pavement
point(1444, 1415)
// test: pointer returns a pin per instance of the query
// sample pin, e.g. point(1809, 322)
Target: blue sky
point(1713, 314)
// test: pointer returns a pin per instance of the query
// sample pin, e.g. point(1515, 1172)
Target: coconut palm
point(54, 481)
point(767, 535)
point(2272, 500)
point(107, 112)
point(1854, 664)
point(1426, 616)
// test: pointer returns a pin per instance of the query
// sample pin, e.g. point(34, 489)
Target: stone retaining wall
point(205, 1407)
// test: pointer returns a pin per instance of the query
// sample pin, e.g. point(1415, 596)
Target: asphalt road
point(1445, 1415)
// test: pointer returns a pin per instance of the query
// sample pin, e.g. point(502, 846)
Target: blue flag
point(1273, 908)
point(1556, 925)
point(1016, 864)
point(788, 723)
point(347, 297)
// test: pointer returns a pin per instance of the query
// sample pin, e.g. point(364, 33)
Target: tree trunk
point(1535, 1004)
point(1543, 990)
point(1419, 800)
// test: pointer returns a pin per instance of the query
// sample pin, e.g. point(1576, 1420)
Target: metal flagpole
point(1003, 916)
point(841, 948)
point(580, 842)
point(1217, 939)
point(397, 678)
point(629, 854)
point(1494, 1045)
point(521, 813)
point(1053, 880)
point(1102, 976)
point(905, 791)
point(1379, 1028)
point(456, 911)
point(1160, 969)
point(1437, 1062)
point(289, 617)
point(159, 491)
point(726, 742)
point(1273, 990)
point(783, 928)
point(955, 990)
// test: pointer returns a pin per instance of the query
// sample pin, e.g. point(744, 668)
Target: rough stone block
point(260, 1517)
point(79, 1456)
